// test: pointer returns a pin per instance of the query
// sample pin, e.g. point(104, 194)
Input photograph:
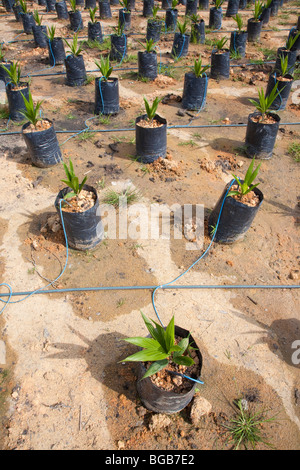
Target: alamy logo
point(296, 92)
point(159, 221)
point(296, 354)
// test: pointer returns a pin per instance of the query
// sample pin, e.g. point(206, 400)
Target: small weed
point(120, 303)
point(70, 116)
point(136, 246)
point(86, 135)
point(101, 183)
point(227, 354)
point(197, 135)
point(270, 54)
point(89, 79)
point(235, 55)
point(294, 151)
point(4, 112)
point(105, 120)
point(143, 79)
point(118, 198)
point(191, 142)
point(97, 45)
point(240, 150)
point(130, 58)
point(31, 271)
point(245, 428)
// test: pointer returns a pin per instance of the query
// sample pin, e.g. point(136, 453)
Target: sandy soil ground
point(62, 382)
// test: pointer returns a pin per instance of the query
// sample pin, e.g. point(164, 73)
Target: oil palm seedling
point(284, 80)
point(150, 133)
point(166, 354)
point(56, 48)
point(75, 68)
point(262, 126)
point(181, 40)
point(195, 86)
point(39, 135)
point(72, 181)
point(78, 207)
point(245, 186)
point(106, 89)
point(220, 60)
point(254, 24)
point(75, 16)
point(94, 27)
point(118, 43)
point(238, 39)
point(236, 209)
point(216, 15)
point(147, 60)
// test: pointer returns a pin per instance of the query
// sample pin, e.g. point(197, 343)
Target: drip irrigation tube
point(132, 129)
point(124, 69)
point(163, 287)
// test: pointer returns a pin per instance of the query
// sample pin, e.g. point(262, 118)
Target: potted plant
point(254, 24)
point(220, 60)
point(169, 367)
point(147, 7)
point(17, 9)
point(238, 39)
point(171, 16)
point(27, 17)
point(131, 5)
point(50, 5)
point(94, 27)
point(106, 89)
point(232, 8)
point(4, 76)
point(14, 90)
point(125, 14)
point(154, 26)
point(197, 30)
point(56, 48)
point(89, 4)
point(294, 33)
point(274, 7)
point(181, 41)
point(39, 31)
point(203, 4)
point(266, 13)
point(191, 7)
point(39, 136)
point(62, 10)
point(262, 126)
point(78, 207)
point(75, 16)
point(234, 212)
point(287, 50)
point(216, 15)
point(7, 4)
point(150, 134)
point(75, 68)
point(147, 60)
point(284, 79)
point(118, 43)
point(195, 87)
point(105, 10)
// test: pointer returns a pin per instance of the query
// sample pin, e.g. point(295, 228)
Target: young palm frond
point(31, 112)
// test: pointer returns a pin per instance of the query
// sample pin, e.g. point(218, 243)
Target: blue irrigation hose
point(131, 129)
point(195, 262)
point(29, 294)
